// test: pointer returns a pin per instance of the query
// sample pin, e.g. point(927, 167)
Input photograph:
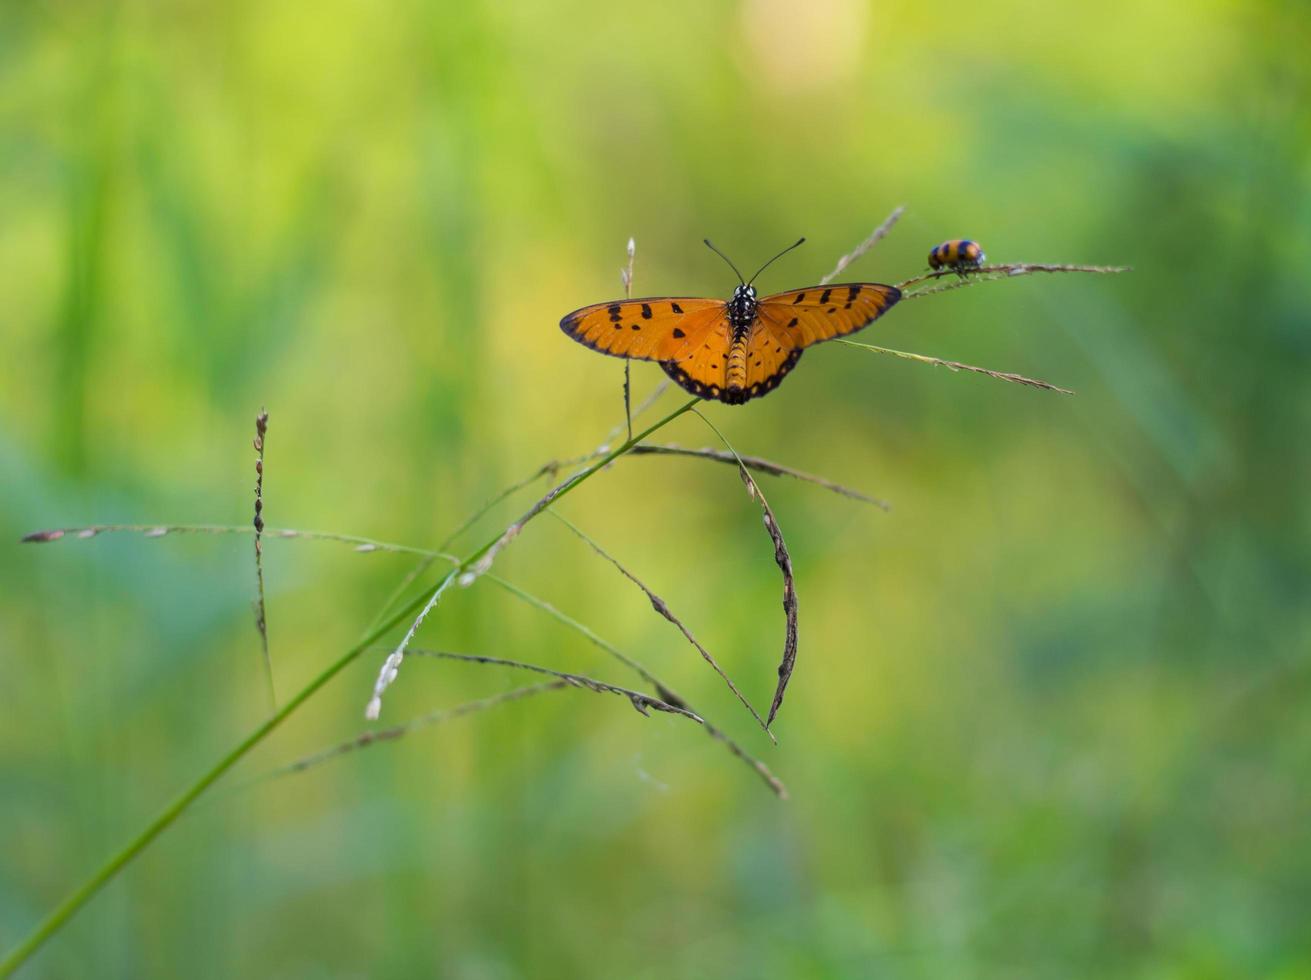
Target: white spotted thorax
point(742, 309)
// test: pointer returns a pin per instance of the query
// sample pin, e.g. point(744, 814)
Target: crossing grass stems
point(477, 563)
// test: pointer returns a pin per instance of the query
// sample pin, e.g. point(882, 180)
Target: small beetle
point(959, 255)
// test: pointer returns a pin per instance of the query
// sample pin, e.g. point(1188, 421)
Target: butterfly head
point(742, 307)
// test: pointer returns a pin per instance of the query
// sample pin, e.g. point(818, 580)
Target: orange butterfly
point(736, 350)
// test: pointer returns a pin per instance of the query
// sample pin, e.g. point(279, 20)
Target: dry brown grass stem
point(551, 468)
point(362, 545)
point(261, 612)
point(374, 736)
point(662, 608)
point(759, 465)
point(874, 238)
point(666, 692)
point(365, 545)
point(958, 366)
point(644, 703)
point(561, 682)
point(587, 633)
point(784, 562)
point(992, 273)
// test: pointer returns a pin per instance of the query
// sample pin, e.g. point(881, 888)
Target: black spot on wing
point(679, 334)
point(646, 311)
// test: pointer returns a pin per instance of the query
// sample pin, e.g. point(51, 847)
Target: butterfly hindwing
point(801, 317)
point(768, 361)
point(701, 366)
point(653, 329)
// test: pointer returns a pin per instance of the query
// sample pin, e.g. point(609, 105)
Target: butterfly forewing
point(801, 317)
point(652, 329)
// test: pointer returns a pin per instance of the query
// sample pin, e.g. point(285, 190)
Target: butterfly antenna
point(712, 248)
point(775, 259)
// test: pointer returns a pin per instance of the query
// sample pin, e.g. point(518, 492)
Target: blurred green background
point(1050, 715)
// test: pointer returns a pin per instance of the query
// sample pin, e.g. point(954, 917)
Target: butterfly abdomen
point(736, 369)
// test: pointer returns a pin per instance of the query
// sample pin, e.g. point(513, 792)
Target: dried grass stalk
point(874, 238)
point(958, 366)
point(760, 465)
point(662, 608)
point(374, 736)
point(644, 703)
point(666, 693)
point(992, 273)
point(261, 612)
point(784, 562)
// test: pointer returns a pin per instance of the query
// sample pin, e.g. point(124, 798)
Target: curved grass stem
point(70, 906)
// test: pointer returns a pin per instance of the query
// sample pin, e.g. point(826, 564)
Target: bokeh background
point(1050, 715)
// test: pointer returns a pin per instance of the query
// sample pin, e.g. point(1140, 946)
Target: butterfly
point(736, 350)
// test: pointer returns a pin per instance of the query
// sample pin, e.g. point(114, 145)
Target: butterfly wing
point(801, 317)
point(701, 365)
point(768, 362)
point(655, 329)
